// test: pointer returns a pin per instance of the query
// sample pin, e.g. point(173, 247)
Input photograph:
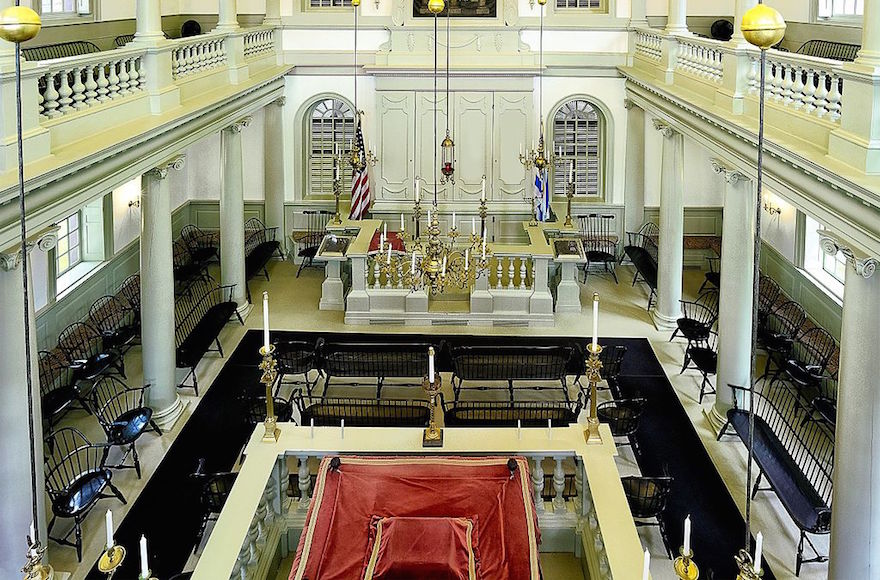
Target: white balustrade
point(198, 54)
point(701, 58)
point(649, 44)
point(258, 42)
point(511, 273)
point(76, 83)
point(809, 85)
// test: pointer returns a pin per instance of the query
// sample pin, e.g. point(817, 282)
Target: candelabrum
point(484, 213)
point(433, 435)
point(270, 373)
point(685, 567)
point(538, 158)
point(594, 368)
point(569, 194)
point(34, 569)
point(746, 567)
point(337, 188)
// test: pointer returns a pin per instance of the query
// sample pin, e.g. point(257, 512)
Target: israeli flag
point(542, 197)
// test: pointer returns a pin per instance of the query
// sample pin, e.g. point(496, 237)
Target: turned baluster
point(91, 86)
point(134, 76)
point(113, 80)
point(284, 485)
point(834, 98)
point(304, 480)
point(522, 273)
point(754, 67)
point(103, 83)
point(810, 92)
point(776, 80)
point(377, 276)
point(558, 486)
point(578, 484)
point(175, 63)
point(50, 97)
point(78, 89)
point(797, 88)
point(822, 94)
point(262, 530)
point(123, 79)
point(251, 541)
point(499, 272)
point(538, 483)
point(510, 272)
point(64, 92)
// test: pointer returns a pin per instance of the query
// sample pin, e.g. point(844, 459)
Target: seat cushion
point(94, 366)
point(598, 256)
point(81, 494)
point(801, 375)
point(791, 486)
point(129, 426)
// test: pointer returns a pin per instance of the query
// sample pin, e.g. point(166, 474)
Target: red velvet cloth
point(396, 242)
point(335, 541)
point(396, 549)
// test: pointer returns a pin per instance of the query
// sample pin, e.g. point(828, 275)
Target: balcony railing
point(197, 54)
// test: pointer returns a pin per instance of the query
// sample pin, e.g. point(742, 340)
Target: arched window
point(330, 124)
point(578, 129)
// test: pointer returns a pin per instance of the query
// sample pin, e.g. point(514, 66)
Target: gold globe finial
point(19, 24)
point(355, 3)
point(763, 26)
point(436, 6)
point(542, 2)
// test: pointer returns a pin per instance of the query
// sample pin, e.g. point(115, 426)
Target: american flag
point(360, 183)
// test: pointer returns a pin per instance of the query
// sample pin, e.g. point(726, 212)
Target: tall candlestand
point(594, 366)
point(746, 567)
point(484, 213)
point(685, 567)
point(433, 435)
point(417, 215)
point(569, 194)
point(337, 191)
point(270, 373)
point(34, 569)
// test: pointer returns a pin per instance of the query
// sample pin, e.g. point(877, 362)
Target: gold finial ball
point(763, 26)
point(19, 23)
point(436, 6)
point(542, 2)
point(355, 3)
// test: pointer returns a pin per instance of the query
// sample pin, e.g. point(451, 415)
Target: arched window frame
point(328, 120)
point(579, 129)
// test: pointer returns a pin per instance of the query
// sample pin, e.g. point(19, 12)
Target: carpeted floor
point(167, 510)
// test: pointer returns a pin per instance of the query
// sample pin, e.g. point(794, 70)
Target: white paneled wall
point(778, 230)
point(126, 218)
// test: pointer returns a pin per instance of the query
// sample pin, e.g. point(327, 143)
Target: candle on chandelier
point(108, 524)
point(431, 365)
point(412, 269)
point(145, 564)
point(443, 267)
point(466, 258)
point(646, 570)
point(402, 226)
point(389, 253)
point(595, 320)
point(429, 217)
point(759, 547)
point(687, 535)
point(381, 242)
point(520, 149)
point(384, 230)
point(484, 243)
point(266, 320)
point(417, 187)
point(483, 191)
point(33, 532)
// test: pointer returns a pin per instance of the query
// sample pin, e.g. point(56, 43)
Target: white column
point(855, 519)
point(869, 54)
point(273, 160)
point(638, 14)
point(634, 193)
point(15, 485)
point(232, 213)
point(273, 13)
point(157, 295)
point(737, 275)
point(228, 15)
point(742, 6)
point(671, 245)
point(677, 20)
point(149, 20)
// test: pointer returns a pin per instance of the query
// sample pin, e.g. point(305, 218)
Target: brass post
point(569, 193)
point(594, 366)
point(746, 567)
point(269, 366)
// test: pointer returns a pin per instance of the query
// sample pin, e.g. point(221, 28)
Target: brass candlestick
point(34, 569)
point(269, 366)
point(746, 567)
point(685, 567)
point(417, 215)
point(569, 194)
point(594, 366)
point(110, 560)
point(433, 435)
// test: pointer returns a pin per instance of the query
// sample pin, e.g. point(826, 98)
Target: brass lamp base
point(110, 560)
point(40, 572)
point(270, 373)
point(272, 432)
point(432, 437)
point(594, 368)
point(591, 435)
point(684, 566)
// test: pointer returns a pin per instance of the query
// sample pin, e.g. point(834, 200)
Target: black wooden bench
point(830, 49)
point(123, 39)
point(509, 363)
point(794, 456)
point(260, 244)
point(328, 411)
point(59, 50)
point(375, 360)
point(641, 249)
point(505, 414)
point(200, 314)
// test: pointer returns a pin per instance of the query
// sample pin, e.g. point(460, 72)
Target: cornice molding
point(46, 240)
point(862, 264)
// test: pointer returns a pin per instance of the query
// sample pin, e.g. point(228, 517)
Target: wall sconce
point(772, 209)
point(136, 202)
point(377, 2)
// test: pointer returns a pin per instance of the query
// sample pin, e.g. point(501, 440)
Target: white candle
point(687, 535)
point(483, 191)
point(443, 268)
point(417, 188)
point(402, 227)
point(389, 253)
point(412, 269)
point(108, 524)
point(520, 148)
point(759, 547)
point(266, 320)
point(429, 217)
point(342, 428)
point(431, 364)
point(549, 428)
point(145, 564)
point(595, 319)
point(571, 172)
point(33, 532)
point(312, 425)
point(519, 428)
point(381, 243)
point(484, 244)
point(646, 570)
point(453, 220)
point(384, 230)
point(466, 258)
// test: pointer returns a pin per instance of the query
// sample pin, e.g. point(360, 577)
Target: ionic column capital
point(628, 104)
point(160, 172)
point(239, 125)
point(279, 102)
point(731, 176)
point(10, 259)
point(862, 264)
point(664, 128)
